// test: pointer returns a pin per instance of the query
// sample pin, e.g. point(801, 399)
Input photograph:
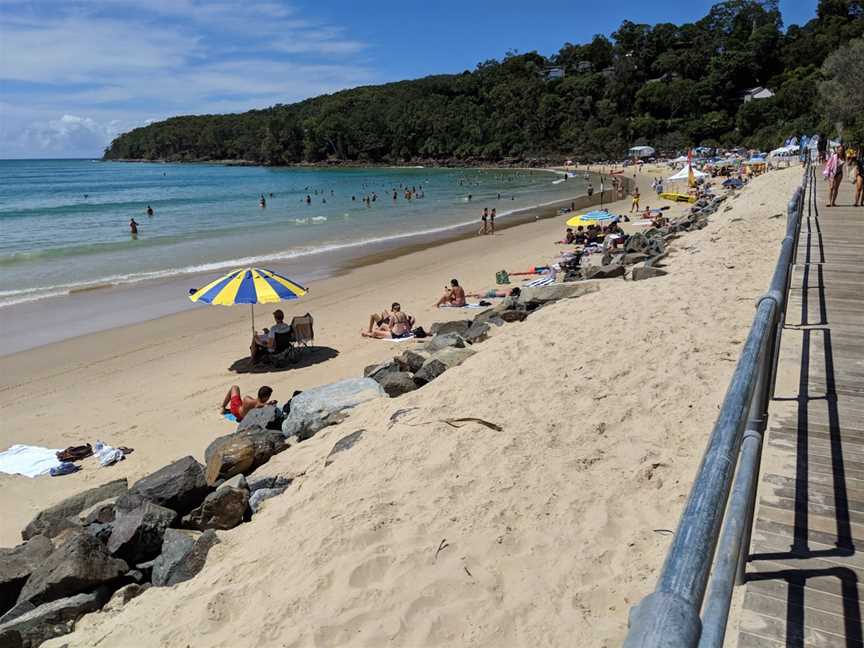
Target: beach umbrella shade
point(248, 286)
point(591, 218)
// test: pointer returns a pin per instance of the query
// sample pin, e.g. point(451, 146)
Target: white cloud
point(80, 72)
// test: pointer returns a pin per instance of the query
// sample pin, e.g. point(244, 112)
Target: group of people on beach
point(833, 173)
point(487, 222)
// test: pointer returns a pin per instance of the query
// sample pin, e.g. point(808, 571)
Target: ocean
point(64, 224)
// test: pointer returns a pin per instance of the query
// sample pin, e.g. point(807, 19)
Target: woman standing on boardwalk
point(833, 173)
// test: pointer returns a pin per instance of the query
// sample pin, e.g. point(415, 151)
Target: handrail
point(670, 616)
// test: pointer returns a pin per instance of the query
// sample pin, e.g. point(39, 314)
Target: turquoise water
point(64, 224)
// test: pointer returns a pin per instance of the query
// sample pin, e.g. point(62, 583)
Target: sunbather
point(240, 406)
point(454, 295)
point(396, 324)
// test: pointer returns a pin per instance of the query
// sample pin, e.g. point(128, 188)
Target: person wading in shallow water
point(133, 227)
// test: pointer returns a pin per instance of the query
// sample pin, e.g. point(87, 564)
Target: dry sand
point(548, 531)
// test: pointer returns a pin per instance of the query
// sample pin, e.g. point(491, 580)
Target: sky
point(76, 73)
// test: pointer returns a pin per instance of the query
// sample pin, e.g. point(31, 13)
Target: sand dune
point(542, 534)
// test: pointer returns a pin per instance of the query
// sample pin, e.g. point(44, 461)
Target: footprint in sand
point(370, 571)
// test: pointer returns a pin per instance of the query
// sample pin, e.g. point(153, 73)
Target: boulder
point(440, 362)
point(260, 419)
point(396, 384)
point(444, 341)
point(412, 360)
point(649, 272)
point(317, 408)
point(136, 535)
point(79, 564)
point(268, 481)
point(241, 453)
point(478, 332)
point(53, 520)
point(510, 316)
point(17, 564)
point(237, 481)
point(633, 257)
point(183, 555)
point(264, 494)
point(346, 442)
point(223, 509)
point(377, 371)
point(180, 486)
point(603, 272)
point(488, 314)
point(555, 292)
point(53, 619)
point(125, 594)
point(100, 513)
point(456, 326)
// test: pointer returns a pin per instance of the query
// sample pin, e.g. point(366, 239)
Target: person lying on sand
point(495, 293)
point(265, 340)
point(395, 324)
point(240, 406)
point(454, 295)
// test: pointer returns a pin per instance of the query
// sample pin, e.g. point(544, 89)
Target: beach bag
point(419, 332)
point(501, 277)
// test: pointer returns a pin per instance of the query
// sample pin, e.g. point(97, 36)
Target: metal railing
point(670, 616)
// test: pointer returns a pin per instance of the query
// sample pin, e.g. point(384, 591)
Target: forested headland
point(670, 86)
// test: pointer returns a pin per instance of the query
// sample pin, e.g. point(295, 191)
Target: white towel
point(30, 461)
point(543, 281)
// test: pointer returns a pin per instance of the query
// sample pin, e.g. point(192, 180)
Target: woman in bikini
point(396, 325)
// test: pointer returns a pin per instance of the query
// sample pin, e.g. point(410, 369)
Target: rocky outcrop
point(180, 486)
point(183, 555)
point(647, 272)
point(55, 519)
point(17, 564)
point(378, 371)
point(79, 564)
point(478, 332)
point(137, 532)
point(53, 619)
point(556, 292)
point(411, 361)
point(442, 361)
point(444, 341)
point(263, 494)
point(396, 384)
point(456, 326)
point(317, 408)
point(241, 453)
point(223, 509)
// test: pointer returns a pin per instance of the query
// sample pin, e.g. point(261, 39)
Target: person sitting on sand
point(569, 237)
point(266, 340)
point(240, 406)
point(454, 295)
point(396, 324)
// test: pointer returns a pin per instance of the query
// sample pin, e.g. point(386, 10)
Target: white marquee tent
point(641, 151)
point(683, 174)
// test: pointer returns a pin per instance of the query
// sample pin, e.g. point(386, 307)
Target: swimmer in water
point(308, 199)
point(149, 210)
point(133, 227)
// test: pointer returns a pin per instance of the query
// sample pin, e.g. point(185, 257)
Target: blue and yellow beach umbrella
point(596, 217)
point(248, 286)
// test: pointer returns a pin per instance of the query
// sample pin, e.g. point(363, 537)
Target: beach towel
point(403, 339)
point(30, 461)
point(106, 454)
point(465, 306)
point(543, 281)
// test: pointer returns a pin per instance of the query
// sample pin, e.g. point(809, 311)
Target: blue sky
point(75, 73)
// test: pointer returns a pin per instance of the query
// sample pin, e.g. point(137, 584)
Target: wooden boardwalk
point(806, 576)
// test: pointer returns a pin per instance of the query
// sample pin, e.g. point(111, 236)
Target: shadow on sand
point(308, 357)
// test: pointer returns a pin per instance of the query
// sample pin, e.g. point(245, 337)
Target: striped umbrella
point(591, 218)
point(248, 286)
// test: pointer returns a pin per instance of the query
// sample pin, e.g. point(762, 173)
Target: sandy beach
point(554, 527)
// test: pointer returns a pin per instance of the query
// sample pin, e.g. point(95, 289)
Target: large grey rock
point(456, 326)
point(79, 564)
point(317, 408)
point(241, 453)
point(125, 594)
point(237, 481)
point(478, 332)
point(263, 494)
point(259, 482)
point(180, 486)
point(603, 272)
point(444, 341)
point(511, 316)
point(377, 371)
point(411, 360)
point(260, 419)
point(183, 555)
point(555, 292)
point(53, 619)
point(55, 519)
point(638, 274)
point(100, 513)
point(441, 361)
point(222, 509)
point(136, 534)
point(343, 444)
point(396, 384)
point(16, 565)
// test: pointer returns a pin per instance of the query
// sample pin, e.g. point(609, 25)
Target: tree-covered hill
point(670, 86)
